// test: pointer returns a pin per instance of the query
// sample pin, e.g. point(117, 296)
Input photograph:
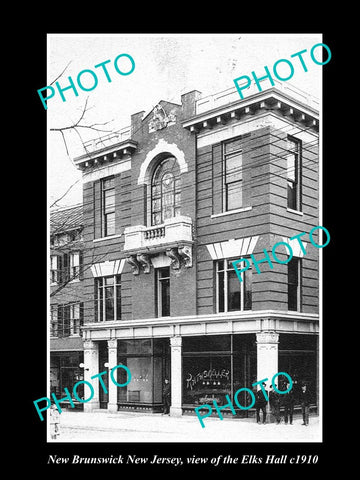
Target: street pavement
point(138, 427)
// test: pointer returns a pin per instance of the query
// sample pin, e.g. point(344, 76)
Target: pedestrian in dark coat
point(166, 396)
point(305, 404)
point(288, 402)
point(260, 404)
point(274, 400)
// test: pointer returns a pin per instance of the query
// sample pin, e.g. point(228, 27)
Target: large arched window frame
point(165, 191)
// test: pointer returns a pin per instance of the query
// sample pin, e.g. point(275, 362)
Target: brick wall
point(265, 191)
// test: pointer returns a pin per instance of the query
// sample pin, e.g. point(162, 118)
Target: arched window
point(165, 191)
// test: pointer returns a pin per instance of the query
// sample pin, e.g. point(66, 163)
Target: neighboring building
point(168, 202)
point(66, 299)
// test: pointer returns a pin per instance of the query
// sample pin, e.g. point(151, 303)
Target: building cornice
point(271, 99)
point(106, 155)
point(259, 320)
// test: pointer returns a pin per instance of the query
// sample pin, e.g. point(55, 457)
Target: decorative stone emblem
point(160, 119)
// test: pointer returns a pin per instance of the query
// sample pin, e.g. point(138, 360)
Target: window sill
point(110, 237)
point(295, 211)
point(230, 212)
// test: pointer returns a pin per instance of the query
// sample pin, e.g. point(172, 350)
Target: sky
point(166, 66)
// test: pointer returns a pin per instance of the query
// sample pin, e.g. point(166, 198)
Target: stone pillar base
point(91, 406)
point(112, 407)
point(175, 412)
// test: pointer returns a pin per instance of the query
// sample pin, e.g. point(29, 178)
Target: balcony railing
point(107, 140)
point(173, 231)
point(230, 95)
point(156, 232)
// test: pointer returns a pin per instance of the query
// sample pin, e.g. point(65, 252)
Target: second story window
point(232, 295)
point(66, 319)
point(65, 267)
point(76, 317)
point(294, 174)
point(108, 206)
point(294, 284)
point(165, 191)
point(63, 321)
point(108, 298)
point(53, 320)
point(163, 292)
point(74, 265)
point(55, 269)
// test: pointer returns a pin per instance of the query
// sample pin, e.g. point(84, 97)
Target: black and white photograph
point(185, 248)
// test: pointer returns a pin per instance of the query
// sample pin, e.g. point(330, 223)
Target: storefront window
point(140, 387)
point(297, 357)
point(216, 366)
point(206, 379)
point(65, 372)
point(148, 362)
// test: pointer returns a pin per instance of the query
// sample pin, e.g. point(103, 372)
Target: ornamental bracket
point(185, 251)
point(133, 262)
point(144, 260)
point(172, 253)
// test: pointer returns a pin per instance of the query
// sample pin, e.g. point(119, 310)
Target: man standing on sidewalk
point(166, 396)
point(288, 402)
point(274, 400)
point(260, 404)
point(305, 403)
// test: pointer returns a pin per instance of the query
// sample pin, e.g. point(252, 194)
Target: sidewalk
point(101, 426)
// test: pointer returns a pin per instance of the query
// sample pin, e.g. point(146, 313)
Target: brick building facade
point(167, 204)
point(66, 299)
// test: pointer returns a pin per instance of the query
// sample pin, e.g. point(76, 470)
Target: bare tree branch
point(78, 124)
point(67, 191)
point(60, 74)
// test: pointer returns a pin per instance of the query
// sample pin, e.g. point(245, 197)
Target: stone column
point(176, 376)
point(113, 389)
point(91, 367)
point(267, 356)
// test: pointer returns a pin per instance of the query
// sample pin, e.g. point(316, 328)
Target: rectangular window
point(63, 321)
point(55, 269)
point(232, 295)
point(294, 284)
point(233, 178)
point(293, 173)
point(163, 291)
point(108, 206)
point(53, 320)
point(108, 298)
point(74, 265)
point(76, 317)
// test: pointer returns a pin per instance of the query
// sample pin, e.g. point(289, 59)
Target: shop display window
point(148, 362)
point(206, 379)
